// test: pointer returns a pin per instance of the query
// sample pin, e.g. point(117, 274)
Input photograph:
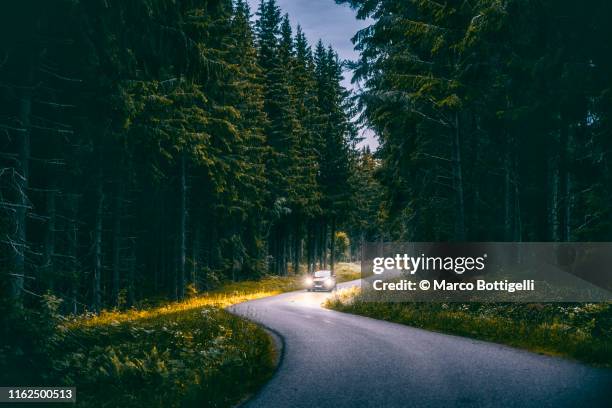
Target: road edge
point(278, 342)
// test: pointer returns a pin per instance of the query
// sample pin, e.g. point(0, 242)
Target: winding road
point(332, 359)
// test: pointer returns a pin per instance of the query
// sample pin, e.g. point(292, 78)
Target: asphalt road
point(337, 360)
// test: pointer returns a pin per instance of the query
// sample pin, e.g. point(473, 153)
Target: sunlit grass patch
point(203, 357)
point(227, 295)
point(189, 353)
point(580, 331)
point(177, 354)
point(346, 272)
point(343, 297)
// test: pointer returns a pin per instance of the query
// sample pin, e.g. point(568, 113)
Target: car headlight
point(329, 282)
point(308, 281)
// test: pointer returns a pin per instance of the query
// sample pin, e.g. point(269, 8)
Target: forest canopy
point(153, 145)
point(493, 117)
point(162, 161)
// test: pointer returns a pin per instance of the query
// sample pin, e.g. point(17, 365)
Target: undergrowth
point(580, 331)
point(176, 354)
point(181, 354)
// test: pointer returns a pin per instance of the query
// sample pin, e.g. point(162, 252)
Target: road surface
point(332, 359)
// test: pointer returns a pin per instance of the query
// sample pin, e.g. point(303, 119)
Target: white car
point(321, 280)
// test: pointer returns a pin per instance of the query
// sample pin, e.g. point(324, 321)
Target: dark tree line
point(151, 146)
point(494, 117)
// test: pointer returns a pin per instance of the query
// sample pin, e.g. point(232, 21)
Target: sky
point(334, 24)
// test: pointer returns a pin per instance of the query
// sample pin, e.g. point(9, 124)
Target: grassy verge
point(578, 331)
point(346, 272)
point(181, 354)
point(190, 353)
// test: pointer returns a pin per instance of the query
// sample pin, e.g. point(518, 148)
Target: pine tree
point(336, 132)
point(306, 155)
point(167, 144)
point(509, 87)
point(275, 57)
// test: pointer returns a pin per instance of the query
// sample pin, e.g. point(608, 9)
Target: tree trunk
point(49, 250)
point(235, 256)
point(97, 270)
point(131, 300)
point(518, 237)
point(316, 250)
point(565, 182)
point(307, 246)
point(160, 276)
point(25, 111)
point(274, 252)
point(553, 213)
point(73, 239)
point(362, 248)
point(284, 246)
point(117, 246)
point(323, 246)
point(508, 202)
point(182, 229)
point(475, 205)
point(458, 179)
point(332, 255)
point(195, 248)
point(297, 244)
point(568, 204)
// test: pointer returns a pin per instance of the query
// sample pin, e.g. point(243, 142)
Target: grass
point(346, 272)
point(578, 331)
point(182, 354)
point(179, 354)
point(227, 295)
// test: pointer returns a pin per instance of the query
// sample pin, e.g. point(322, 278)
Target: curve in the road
point(337, 360)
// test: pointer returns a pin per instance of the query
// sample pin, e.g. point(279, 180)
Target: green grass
point(194, 357)
point(577, 331)
point(182, 354)
point(346, 272)
point(179, 354)
point(176, 354)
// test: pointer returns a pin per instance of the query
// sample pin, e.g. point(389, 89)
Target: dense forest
point(151, 148)
point(154, 147)
point(494, 117)
point(155, 150)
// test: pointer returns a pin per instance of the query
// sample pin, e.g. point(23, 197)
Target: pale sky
point(334, 24)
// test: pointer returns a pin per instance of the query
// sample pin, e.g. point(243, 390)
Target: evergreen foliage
point(151, 146)
point(493, 117)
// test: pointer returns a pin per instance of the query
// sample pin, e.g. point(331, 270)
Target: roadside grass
point(578, 331)
point(172, 354)
point(182, 354)
point(346, 272)
point(226, 295)
point(178, 354)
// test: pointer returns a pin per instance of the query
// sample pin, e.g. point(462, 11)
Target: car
point(321, 280)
